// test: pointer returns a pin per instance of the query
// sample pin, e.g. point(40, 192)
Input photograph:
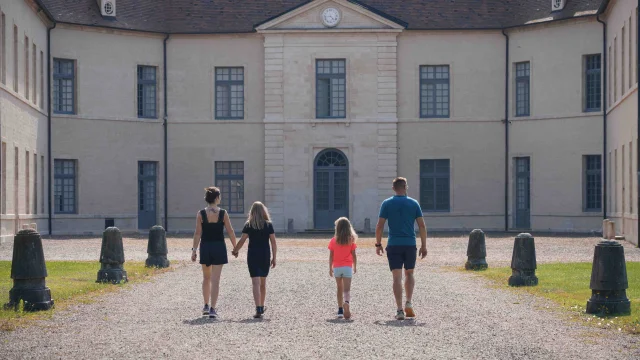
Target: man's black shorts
point(402, 256)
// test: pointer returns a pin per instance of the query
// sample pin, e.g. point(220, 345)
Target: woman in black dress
point(209, 234)
point(259, 230)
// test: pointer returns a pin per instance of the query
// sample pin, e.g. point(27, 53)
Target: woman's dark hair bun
point(211, 194)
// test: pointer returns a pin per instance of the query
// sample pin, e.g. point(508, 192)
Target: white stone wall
point(622, 110)
point(23, 120)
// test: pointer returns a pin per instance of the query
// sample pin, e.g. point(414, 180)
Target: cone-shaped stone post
point(28, 271)
point(523, 262)
point(112, 257)
point(157, 248)
point(476, 251)
point(609, 281)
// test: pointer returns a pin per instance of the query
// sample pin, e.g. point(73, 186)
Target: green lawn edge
point(71, 283)
point(567, 285)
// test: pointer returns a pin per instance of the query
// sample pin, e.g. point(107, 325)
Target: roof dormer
point(558, 5)
point(107, 8)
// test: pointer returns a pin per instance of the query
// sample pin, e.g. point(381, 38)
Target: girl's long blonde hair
point(258, 216)
point(345, 235)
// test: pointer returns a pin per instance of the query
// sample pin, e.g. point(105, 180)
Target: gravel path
point(459, 315)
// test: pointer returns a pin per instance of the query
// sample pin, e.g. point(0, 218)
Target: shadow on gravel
point(200, 321)
point(339, 321)
point(205, 321)
point(400, 323)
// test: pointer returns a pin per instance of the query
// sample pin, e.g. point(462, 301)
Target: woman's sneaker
point(340, 313)
point(205, 310)
point(213, 314)
point(400, 315)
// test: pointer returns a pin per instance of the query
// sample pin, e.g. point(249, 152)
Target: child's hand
point(234, 253)
point(273, 263)
point(330, 272)
point(355, 270)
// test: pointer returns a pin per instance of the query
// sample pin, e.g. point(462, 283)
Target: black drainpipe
point(506, 134)
point(164, 122)
point(49, 187)
point(604, 117)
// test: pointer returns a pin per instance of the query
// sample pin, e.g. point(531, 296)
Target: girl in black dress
point(259, 230)
point(209, 234)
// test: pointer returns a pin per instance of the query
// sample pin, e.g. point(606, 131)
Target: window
point(35, 183)
point(63, 86)
point(3, 48)
point(230, 180)
point(147, 92)
point(434, 185)
point(34, 62)
point(42, 183)
point(26, 67)
point(64, 193)
point(622, 77)
point(3, 173)
point(15, 59)
point(41, 80)
point(592, 83)
point(615, 70)
point(229, 93)
point(27, 184)
point(331, 89)
point(434, 91)
point(523, 71)
point(592, 193)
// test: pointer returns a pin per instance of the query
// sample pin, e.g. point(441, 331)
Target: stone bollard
point(28, 271)
point(157, 248)
point(523, 262)
point(112, 257)
point(476, 251)
point(290, 228)
point(367, 225)
point(609, 281)
point(611, 231)
point(605, 228)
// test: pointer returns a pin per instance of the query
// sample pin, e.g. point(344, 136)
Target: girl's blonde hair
point(345, 234)
point(258, 216)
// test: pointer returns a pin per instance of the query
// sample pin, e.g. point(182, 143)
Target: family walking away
point(400, 212)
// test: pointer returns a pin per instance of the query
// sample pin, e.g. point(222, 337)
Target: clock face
point(331, 17)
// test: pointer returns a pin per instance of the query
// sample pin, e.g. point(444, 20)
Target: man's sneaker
point(400, 315)
point(347, 311)
point(205, 310)
point(408, 309)
point(340, 313)
point(213, 314)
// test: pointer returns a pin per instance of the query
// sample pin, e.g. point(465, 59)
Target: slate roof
point(241, 16)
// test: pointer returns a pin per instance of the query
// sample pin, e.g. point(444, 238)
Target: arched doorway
point(330, 188)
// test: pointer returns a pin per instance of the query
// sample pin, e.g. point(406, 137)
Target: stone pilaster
point(274, 129)
point(387, 114)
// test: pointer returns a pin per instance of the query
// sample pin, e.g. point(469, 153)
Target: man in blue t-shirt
point(402, 212)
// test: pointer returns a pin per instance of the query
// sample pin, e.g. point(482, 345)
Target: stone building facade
point(313, 107)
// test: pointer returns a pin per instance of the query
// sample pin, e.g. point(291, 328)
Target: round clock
point(330, 17)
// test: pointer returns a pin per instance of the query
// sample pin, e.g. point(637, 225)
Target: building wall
point(105, 135)
point(23, 119)
point(622, 92)
point(558, 132)
point(196, 139)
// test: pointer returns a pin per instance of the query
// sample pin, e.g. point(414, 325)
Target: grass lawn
point(70, 283)
point(568, 286)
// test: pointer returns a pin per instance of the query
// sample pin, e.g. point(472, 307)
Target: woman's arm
point(274, 249)
point(331, 263)
point(355, 260)
point(227, 225)
point(196, 237)
point(237, 248)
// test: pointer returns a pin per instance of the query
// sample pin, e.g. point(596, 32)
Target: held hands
point(235, 253)
point(423, 252)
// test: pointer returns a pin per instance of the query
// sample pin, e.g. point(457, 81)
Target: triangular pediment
point(310, 17)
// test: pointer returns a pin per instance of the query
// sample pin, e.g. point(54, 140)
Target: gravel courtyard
point(459, 314)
